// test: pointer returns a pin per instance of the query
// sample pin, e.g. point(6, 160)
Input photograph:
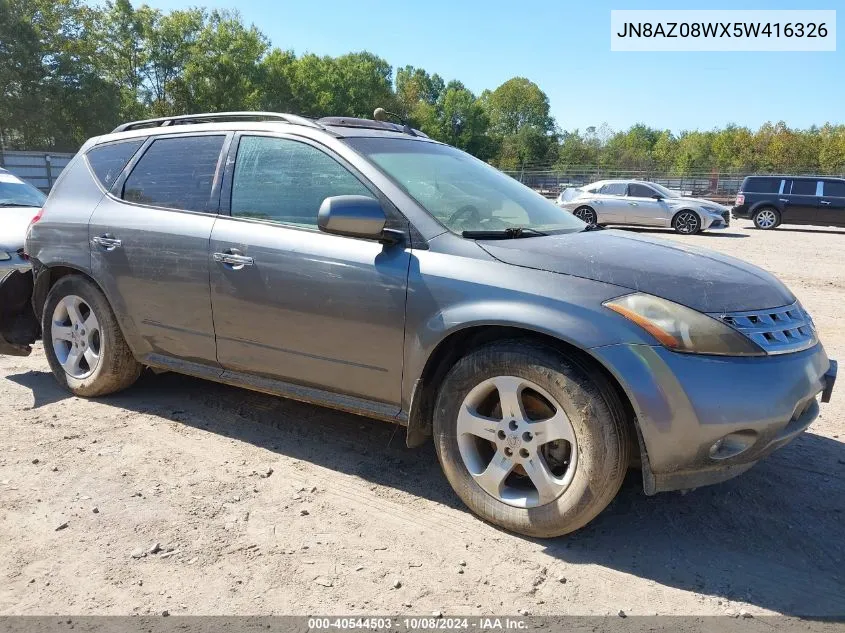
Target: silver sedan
point(641, 203)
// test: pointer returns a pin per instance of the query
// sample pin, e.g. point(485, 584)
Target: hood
point(700, 279)
point(14, 222)
point(698, 201)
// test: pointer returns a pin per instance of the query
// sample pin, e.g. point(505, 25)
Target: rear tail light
point(740, 199)
point(36, 217)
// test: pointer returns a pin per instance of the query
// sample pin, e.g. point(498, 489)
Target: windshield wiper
point(509, 233)
point(592, 227)
point(18, 204)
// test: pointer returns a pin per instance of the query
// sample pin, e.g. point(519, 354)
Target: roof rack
point(211, 117)
point(368, 124)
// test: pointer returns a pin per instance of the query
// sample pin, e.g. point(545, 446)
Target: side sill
point(274, 387)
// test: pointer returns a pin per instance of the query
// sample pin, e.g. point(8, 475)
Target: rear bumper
point(18, 326)
point(705, 419)
point(741, 212)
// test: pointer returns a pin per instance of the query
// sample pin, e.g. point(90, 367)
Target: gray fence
point(37, 168)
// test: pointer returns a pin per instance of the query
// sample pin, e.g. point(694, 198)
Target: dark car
point(772, 200)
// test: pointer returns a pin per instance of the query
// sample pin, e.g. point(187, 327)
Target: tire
point(587, 214)
point(593, 469)
point(103, 363)
point(766, 218)
point(686, 222)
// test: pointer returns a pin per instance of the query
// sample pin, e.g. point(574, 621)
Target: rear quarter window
point(761, 185)
point(107, 161)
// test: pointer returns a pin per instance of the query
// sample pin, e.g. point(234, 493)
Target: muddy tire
point(529, 440)
point(83, 343)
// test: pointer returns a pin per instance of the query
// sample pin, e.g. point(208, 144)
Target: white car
point(19, 203)
point(640, 203)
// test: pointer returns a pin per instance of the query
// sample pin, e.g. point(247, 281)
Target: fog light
point(733, 444)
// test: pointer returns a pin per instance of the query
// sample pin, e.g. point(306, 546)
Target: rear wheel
point(82, 341)
point(766, 218)
point(528, 440)
point(587, 214)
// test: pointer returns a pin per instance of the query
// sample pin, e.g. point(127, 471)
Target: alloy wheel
point(687, 222)
point(76, 337)
point(586, 214)
point(766, 219)
point(517, 442)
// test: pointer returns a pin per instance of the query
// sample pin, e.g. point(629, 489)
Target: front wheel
point(528, 440)
point(83, 343)
point(686, 223)
point(587, 214)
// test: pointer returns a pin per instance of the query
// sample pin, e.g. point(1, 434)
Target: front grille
point(778, 330)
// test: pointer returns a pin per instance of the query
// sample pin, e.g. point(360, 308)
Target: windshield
point(464, 193)
point(16, 193)
point(663, 191)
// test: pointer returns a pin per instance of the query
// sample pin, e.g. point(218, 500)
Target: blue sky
point(565, 48)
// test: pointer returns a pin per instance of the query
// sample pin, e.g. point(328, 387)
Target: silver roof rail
point(210, 117)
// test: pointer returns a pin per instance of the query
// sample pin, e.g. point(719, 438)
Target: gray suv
point(359, 265)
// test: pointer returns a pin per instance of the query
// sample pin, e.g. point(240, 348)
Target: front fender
point(442, 302)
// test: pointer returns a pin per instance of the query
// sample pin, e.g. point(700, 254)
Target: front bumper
point(688, 406)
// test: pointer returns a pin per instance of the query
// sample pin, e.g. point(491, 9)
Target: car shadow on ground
point(789, 228)
point(705, 234)
point(772, 537)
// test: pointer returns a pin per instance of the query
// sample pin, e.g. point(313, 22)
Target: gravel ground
point(196, 498)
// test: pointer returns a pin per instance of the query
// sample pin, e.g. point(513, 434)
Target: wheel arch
point(458, 343)
point(47, 276)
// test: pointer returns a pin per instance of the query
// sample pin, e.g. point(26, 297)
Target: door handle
point(783, 200)
point(107, 242)
point(824, 201)
point(634, 204)
point(234, 259)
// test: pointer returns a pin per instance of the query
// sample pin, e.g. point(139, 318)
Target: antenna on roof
point(380, 114)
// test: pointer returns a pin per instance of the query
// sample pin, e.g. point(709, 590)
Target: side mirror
point(657, 196)
point(353, 216)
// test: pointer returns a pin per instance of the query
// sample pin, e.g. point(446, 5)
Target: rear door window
point(804, 187)
point(176, 173)
point(614, 189)
point(107, 161)
point(834, 188)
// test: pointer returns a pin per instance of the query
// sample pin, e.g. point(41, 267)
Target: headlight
point(713, 210)
point(682, 329)
point(4, 256)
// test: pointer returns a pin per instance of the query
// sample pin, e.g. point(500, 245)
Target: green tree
point(171, 40)
point(124, 54)
point(521, 126)
point(223, 70)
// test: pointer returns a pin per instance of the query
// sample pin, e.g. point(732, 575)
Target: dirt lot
point(261, 505)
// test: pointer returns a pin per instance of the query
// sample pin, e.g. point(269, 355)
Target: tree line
point(69, 71)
